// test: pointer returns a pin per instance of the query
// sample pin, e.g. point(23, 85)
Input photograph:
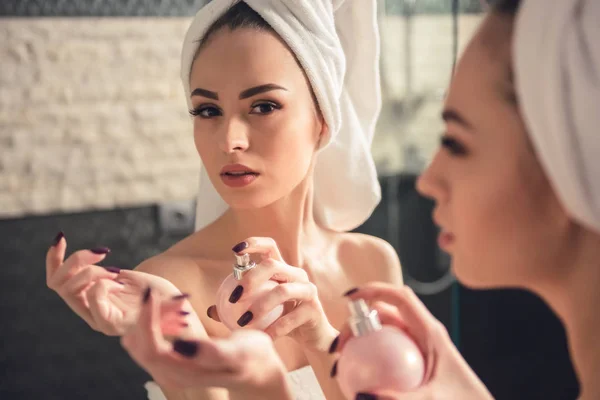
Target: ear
point(323, 132)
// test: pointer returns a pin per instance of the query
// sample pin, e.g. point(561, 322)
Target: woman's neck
point(575, 298)
point(289, 221)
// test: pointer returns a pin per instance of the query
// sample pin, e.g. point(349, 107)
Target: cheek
point(206, 148)
point(288, 145)
point(504, 229)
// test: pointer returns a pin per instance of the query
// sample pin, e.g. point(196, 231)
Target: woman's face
point(256, 126)
point(501, 221)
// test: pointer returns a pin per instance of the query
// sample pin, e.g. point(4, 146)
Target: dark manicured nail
point(334, 344)
point(211, 310)
point(146, 295)
point(351, 291)
point(184, 313)
point(365, 396)
point(185, 348)
point(114, 270)
point(333, 372)
point(58, 238)
point(236, 294)
point(239, 247)
point(244, 319)
point(100, 250)
point(181, 296)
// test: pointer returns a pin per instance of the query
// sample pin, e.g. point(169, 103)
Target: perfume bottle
point(377, 357)
point(230, 313)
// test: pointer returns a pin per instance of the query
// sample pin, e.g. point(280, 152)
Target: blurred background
point(95, 141)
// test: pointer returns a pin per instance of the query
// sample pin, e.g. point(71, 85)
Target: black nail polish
point(181, 296)
point(333, 372)
point(334, 344)
point(146, 296)
point(100, 250)
point(210, 310)
point(184, 313)
point(351, 291)
point(239, 247)
point(58, 238)
point(114, 270)
point(185, 348)
point(245, 319)
point(365, 396)
point(236, 294)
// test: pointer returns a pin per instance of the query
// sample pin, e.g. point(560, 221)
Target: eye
point(453, 146)
point(266, 107)
point(205, 111)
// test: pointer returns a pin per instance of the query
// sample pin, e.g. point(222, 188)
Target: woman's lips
point(238, 175)
point(445, 240)
point(238, 179)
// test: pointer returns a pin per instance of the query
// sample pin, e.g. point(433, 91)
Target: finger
point(108, 318)
point(149, 325)
point(269, 269)
point(74, 262)
point(213, 313)
point(263, 246)
point(84, 278)
point(55, 255)
point(280, 294)
point(287, 323)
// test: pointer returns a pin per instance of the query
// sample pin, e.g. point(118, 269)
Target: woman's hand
point(107, 298)
point(303, 318)
point(246, 361)
point(447, 375)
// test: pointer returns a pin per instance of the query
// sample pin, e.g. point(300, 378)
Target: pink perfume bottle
point(230, 313)
point(377, 358)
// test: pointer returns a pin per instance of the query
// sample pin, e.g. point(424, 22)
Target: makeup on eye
point(454, 146)
point(261, 107)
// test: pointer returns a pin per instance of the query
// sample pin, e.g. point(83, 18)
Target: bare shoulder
point(183, 264)
point(373, 258)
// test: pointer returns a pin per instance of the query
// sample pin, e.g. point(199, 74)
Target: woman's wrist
point(322, 345)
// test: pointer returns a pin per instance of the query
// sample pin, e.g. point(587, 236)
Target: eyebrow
point(453, 116)
point(253, 91)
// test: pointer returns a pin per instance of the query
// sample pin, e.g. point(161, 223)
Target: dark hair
point(241, 15)
point(510, 7)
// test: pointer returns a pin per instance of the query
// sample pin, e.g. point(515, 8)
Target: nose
point(431, 183)
point(235, 137)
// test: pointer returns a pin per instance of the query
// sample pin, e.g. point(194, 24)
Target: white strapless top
point(303, 382)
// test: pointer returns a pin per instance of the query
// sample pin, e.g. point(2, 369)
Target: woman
point(267, 98)
point(516, 184)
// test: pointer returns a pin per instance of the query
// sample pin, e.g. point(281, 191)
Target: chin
point(481, 275)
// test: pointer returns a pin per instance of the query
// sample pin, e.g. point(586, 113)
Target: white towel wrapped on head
point(556, 51)
point(337, 44)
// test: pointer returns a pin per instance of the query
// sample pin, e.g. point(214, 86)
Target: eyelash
point(197, 112)
point(453, 146)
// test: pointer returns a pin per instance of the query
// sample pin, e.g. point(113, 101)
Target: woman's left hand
point(303, 317)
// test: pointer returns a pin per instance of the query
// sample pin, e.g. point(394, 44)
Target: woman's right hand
point(93, 292)
point(448, 376)
point(246, 363)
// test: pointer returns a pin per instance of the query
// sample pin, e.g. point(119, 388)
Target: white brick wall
point(92, 114)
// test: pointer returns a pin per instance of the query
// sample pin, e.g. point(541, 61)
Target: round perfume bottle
point(377, 357)
point(229, 312)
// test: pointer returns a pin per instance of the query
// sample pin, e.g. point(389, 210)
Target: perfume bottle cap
point(242, 265)
point(363, 320)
